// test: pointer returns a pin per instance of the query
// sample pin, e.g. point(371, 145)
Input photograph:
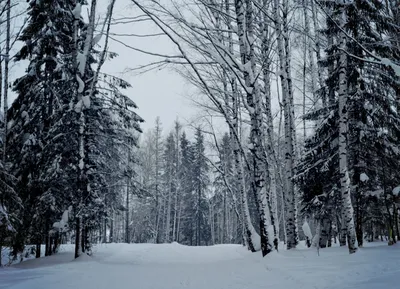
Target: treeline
point(175, 173)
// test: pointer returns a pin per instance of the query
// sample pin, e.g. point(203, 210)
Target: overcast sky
point(160, 93)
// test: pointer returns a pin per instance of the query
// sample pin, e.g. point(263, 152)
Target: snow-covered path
point(173, 266)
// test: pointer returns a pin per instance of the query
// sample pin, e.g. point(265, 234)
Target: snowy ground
point(173, 266)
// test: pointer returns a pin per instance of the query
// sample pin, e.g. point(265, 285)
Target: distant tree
point(200, 185)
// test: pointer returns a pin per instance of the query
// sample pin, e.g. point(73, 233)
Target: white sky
point(157, 93)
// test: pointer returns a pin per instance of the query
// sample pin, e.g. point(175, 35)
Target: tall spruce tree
point(46, 40)
point(170, 182)
point(186, 181)
point(200, 184)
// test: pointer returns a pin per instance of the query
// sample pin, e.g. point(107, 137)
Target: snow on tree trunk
point(287, 96)
point(347, 207)
point(80, 63)
point(251, 237)
point(269, 139)
point(245, 23)
point(233, 119)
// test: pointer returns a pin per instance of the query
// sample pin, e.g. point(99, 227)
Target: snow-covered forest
point(294, 141)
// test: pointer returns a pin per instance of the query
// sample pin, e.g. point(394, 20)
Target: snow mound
point(83, 258)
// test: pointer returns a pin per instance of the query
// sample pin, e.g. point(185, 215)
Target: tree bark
point(359, 219)
point(260, 187)
point(127, 211)
point(287, 97)
point(6, 73)
point(347, 207)
point(38, 249)
point(77, 237)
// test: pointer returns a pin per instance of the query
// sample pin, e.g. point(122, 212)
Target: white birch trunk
point(245, 23)
point(310, 50)
point(269, 139)
point(347, 207)
point(318, 52)
point(250, 236)
point(6, 73)
point(287, 97)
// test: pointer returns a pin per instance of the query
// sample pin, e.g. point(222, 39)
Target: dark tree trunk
point(51, 240)
point(112, 229)
point(56, 243)
point(198, 241)
point(127, 214)
point(342, 234)
point(330, 234)
point(360, 234)
point(396, 221)
point(371, 239)
point(38, 249)
point(323, 239)
point(77, 237)
point(308, 242)
point(105, 231)
point(47, 247)
point(359, 224)
point(85, 239)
